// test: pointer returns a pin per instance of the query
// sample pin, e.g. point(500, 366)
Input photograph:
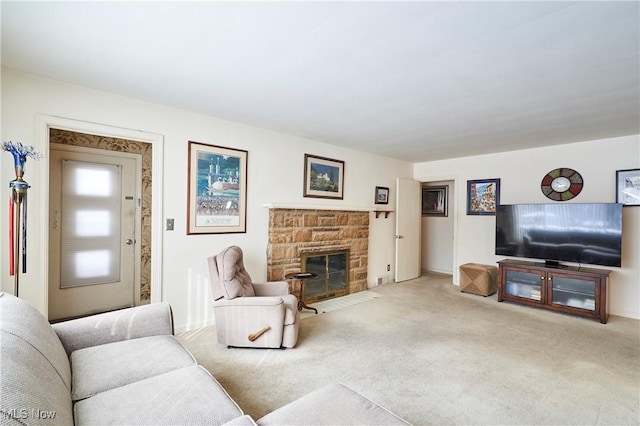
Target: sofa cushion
point(100, 368)
point(182, 397)
point(332, 405)
point(32, 391)
point(123, 324)
point(20, 319)
point(234, 279)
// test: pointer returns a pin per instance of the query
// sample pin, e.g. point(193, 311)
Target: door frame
point(459, 194)
point(43, 125)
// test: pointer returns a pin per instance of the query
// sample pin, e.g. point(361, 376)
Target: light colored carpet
point(433, 355)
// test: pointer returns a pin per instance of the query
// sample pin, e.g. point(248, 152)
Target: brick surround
point(293, 232)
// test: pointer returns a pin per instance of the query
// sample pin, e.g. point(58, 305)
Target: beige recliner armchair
point(249, 314)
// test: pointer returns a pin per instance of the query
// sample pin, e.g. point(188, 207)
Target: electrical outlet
point(169, 226)
point(388, 268)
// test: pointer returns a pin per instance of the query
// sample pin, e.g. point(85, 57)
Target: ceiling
point(417, 81)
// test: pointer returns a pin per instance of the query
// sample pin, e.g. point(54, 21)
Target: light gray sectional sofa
point(126, 367)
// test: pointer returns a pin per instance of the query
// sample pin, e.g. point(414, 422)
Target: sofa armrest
point(131, 323)
point(273, 288)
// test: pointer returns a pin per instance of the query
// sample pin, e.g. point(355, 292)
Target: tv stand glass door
point(573, 292)
point(524, 284)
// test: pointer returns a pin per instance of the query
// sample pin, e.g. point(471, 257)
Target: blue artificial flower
point(20, 152)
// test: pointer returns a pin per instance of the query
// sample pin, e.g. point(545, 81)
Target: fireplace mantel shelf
point(319, 207)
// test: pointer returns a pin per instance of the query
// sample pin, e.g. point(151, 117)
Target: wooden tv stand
point(568, 289)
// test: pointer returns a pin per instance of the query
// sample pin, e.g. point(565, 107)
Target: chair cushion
point(100, 368)
point(234, 279)
point(188, 396)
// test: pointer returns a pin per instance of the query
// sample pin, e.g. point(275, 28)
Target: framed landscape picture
point(483, 196)
point(323, 177)
point(217, 189)
point(382, 195)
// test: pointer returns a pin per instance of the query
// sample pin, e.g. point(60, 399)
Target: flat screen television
point(579, 233)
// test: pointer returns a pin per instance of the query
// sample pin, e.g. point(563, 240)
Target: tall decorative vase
point(18, 211)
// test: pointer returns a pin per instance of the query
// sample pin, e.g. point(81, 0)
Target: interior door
point(408, 235)
point(93, 208)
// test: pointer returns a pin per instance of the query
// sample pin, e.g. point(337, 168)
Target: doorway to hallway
point(438, 236)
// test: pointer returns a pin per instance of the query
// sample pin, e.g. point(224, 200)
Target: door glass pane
point(93, 223)
point(92, 263)
point(90, 224)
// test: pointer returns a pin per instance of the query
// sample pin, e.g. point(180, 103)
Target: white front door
point(408, 235)
point(93, 210)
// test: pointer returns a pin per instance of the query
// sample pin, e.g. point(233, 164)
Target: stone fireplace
point(299, 234)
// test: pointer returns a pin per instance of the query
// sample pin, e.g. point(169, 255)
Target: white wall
point(520, 174)
point(437, 236)
point(275, 176)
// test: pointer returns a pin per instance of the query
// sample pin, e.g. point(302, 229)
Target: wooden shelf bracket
point(386, 213)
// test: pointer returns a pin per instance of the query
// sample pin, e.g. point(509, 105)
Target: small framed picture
point(483, 196)
point(382, 195)
point(434, 200)
point(217, 189)
point(628, 187)
point(323, 177)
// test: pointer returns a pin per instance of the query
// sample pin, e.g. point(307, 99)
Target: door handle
point(398, 237)
point(128, 241)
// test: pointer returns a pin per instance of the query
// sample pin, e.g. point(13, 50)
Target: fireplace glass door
point(333, 275)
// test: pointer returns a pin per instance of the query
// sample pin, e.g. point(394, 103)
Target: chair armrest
point(273, 288)
point(131, 323)
point(249, 301)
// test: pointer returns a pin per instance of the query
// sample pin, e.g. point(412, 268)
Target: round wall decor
point(561, 184)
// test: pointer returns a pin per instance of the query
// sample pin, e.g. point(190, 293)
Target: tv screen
point(580, 233)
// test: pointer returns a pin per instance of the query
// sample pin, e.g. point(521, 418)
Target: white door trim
point(43, 125)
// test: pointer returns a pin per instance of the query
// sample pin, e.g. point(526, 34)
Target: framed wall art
point(217, 189)
point(434, 200)
point(323, 177)
point(628, 187)
point(382, 195)
point(483, 196)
